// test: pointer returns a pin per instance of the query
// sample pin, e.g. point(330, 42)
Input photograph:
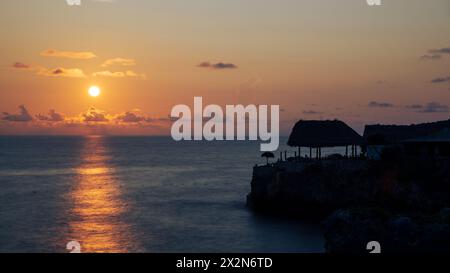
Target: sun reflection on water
point(97, 205)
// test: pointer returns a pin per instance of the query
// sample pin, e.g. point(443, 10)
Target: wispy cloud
point(119, 62)
point(312, 112)
point(445, 50)
point(20, 65)
point(119, 74)
point(441, 80)
point(435, 54)
point(108, 73)
point(62, 72)
point(415, 106)
point(82, 55)
point(431, 57)
point(47, 72)
point(218, 66)
point(376, 104)
point(432, 107)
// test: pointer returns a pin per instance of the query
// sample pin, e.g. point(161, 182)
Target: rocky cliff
point(359, 200)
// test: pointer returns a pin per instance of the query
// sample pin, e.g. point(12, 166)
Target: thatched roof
point(385, 134)
point(323, 133)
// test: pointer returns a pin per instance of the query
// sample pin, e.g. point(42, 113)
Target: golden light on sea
point(97, 205)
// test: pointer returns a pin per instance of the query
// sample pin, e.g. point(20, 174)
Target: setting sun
point(94, 91)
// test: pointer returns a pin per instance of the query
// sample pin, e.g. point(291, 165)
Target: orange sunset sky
point(317, 59)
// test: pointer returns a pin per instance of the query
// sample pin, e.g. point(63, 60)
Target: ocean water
point(137, 194)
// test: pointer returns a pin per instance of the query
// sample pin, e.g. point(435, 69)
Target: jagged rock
point(402, 234)
point(349, 231)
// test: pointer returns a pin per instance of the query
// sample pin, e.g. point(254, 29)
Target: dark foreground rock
point(349, 231)
point(412, 197)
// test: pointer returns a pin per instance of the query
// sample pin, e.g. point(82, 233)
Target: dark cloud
point(376, 104)
point(218, 66)
point(58, 71)
point(61, 72)
point(415, 106)
point(435, 54)
point(431, 57)
point(441, 80)
point(20, 65)
point(52, 116)
point(432, 107)
point(445, 50)
point(130, 117)
point(84, 55)
point(23, 116)
point(94, 115)
point(135, 117)
point(311, 112)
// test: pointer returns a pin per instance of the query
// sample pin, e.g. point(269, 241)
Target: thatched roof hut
point(323, 133)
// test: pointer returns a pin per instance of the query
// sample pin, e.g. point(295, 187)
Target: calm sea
point(137, 194)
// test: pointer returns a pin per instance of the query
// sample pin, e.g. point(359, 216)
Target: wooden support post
point(346, 150)
point(310, 152)
point(285, 155)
